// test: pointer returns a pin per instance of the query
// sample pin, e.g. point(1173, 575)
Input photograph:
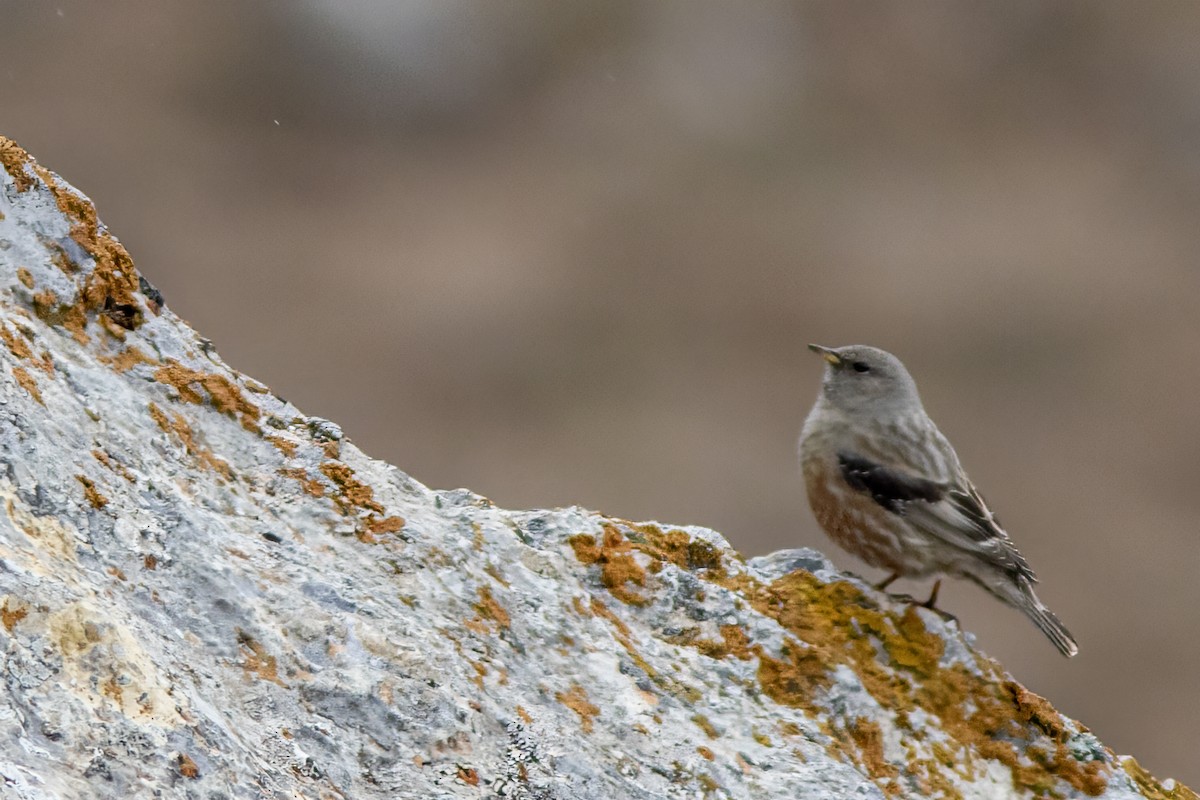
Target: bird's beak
point(826, 353)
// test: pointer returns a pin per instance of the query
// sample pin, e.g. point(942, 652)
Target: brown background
point(571, 253)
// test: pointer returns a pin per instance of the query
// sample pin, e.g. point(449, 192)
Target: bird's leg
point(931, 603)
point(886, 582)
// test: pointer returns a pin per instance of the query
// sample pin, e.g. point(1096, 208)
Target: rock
point(206, 593)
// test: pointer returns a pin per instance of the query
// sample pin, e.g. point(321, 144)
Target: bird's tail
point(1055, 631)
point(1019, 594)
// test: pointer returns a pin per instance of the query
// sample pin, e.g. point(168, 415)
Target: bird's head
point(866, 381)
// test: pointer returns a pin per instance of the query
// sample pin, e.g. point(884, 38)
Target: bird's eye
point(860, 366)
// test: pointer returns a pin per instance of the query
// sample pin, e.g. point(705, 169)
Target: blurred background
point(571, 253)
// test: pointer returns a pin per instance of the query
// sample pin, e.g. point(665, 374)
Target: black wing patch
point(972, 527)
point(890, 489)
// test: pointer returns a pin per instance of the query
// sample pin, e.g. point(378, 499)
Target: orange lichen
point(869, 738)
point(285, 446)
point(27, 383)
point(60, 259)
point(897, 659)
point(187, 767)
point(618, 567)
point(180, 429)
point(44, 303)
point(257, 660)
point(676, 547)
point(128, 358)
point(93, 496)
point(576, 699)
point(14, 158)
point(25, 277)
point(624, 637)
point(1035, 709)
point(378, 525)
point(796, 677)
point(489, 609)
point(468, 775)
point(112, 464)
point(352, 493)
point(223, 394)
point(110, 287)
point(703, 724)
point(9, 617)
point(481, 671)
point(524, 715)
point(16, 344)
point(67, 315)
point(600, 610)
point(113, 327)
point(705, 752)
point(1150, 787)
point(734, 642)
point(494, 572)
point(309, 485)
point(113, 281)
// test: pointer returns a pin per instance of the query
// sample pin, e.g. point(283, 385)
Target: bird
point(887, 486)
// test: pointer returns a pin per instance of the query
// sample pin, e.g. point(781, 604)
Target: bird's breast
point(854, 521)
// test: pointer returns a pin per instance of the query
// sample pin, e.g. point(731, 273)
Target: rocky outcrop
point(206, 593)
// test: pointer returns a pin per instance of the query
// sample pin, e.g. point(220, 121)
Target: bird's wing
point(952, 511)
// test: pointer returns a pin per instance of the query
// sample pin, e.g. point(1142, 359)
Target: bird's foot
point(931, 604)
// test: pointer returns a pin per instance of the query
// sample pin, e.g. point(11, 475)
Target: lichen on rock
point(207, 593)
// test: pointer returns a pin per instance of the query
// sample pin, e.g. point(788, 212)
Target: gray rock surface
point(205, 593)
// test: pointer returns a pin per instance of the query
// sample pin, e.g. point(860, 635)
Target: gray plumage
point(886, 485)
